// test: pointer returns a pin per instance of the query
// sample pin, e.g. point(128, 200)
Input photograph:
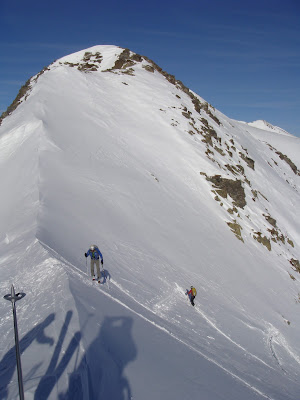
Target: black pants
point(192, 300)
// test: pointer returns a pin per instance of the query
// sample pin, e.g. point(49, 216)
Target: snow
point(261, 124)
point(106, 158)
point(267, 133)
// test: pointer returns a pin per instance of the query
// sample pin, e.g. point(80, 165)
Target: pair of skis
point(99, 278)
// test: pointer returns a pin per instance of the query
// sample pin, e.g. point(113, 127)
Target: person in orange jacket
point(192, 294)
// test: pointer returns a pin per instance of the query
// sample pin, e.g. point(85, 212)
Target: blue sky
point(242, 56)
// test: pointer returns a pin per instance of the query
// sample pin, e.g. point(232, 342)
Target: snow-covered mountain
point(268, 127)
point(105, 147)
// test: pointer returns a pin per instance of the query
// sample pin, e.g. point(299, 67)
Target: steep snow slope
point(107, 148)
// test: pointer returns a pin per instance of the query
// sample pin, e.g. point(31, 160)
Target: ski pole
point(13, 297)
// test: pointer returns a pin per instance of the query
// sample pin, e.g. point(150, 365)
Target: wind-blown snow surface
point(106, 157)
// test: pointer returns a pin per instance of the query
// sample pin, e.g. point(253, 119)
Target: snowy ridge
point(107, 148)
point(268, 127)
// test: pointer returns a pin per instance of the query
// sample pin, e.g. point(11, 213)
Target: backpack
point(194, 292)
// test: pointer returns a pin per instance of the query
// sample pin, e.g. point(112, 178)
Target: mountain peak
point(114, 59)
point(267, 126)
point(101, 57)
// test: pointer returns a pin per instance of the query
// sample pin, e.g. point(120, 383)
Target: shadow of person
point(100, 374)
point(105, 276)
point(55, 369)
point(8, 362)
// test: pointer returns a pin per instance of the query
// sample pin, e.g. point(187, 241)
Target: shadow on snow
point(105, 275)
point(100, 374)
point(8, 362)
point(55, 369)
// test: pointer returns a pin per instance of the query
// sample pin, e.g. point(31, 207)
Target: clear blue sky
point(242, 56)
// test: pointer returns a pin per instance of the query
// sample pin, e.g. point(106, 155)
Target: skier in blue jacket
point(95, 254)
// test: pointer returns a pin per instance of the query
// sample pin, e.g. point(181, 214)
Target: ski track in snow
point(159, 305)
point(177, 338)
point(72, 269)
point(228, 338)
point(275, 337)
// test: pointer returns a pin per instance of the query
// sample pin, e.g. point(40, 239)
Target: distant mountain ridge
point(261, 124)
